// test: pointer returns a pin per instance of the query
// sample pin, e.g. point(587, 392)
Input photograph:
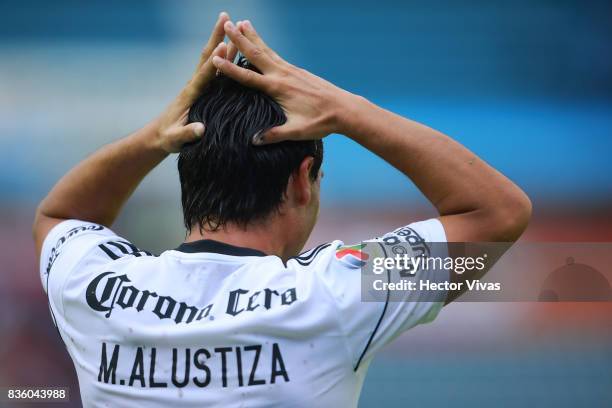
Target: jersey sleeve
point(369, 323)
point(74, 244)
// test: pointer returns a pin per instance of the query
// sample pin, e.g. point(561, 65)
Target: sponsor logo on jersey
point(55, 251)
point(352, 255)
point(110, 289)
point(396, 240)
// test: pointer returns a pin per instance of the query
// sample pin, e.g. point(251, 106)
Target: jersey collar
point(209, 245)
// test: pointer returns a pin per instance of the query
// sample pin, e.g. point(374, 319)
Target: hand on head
point(172, 132)
point(312, 105)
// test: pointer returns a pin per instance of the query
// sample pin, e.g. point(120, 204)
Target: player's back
point(212, 324)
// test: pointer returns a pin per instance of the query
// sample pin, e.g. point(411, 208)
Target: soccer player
point(234, 316)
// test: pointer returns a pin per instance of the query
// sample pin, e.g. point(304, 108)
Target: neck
point(269, 238)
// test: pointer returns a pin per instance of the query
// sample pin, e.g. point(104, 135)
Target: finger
point(216, 36)
point(204, 75)
point(220, 51)
point(245, 76)
point(208, 70)
point(193, 130)
point(249, 32)
point(232, 51)
point(179, 136)
point(288, 131)
point(254, 54)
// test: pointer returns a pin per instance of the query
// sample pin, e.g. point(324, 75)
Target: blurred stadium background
point(525, 84)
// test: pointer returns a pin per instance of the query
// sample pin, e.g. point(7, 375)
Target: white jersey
point(210, 324)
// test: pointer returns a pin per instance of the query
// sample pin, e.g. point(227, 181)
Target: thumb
point(288, 131)
point(185, 134)
point(191, 132)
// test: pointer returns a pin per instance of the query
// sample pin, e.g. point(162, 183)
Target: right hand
point(313, 106)
point(172, 131)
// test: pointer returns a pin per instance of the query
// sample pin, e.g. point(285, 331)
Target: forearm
point(454, 179)
point(96, 189)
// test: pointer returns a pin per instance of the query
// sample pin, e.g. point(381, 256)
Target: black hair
point(224, 177)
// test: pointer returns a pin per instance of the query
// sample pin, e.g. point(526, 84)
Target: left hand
point(172, 133)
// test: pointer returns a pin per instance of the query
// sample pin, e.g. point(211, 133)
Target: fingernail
point(229, 25)
point(217, 61)
point(247, 23)
point(223, 14)
point(258, 138)
point(198, 129)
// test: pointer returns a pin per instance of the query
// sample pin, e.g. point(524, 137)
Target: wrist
point(150, 138)
point(350, 113)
